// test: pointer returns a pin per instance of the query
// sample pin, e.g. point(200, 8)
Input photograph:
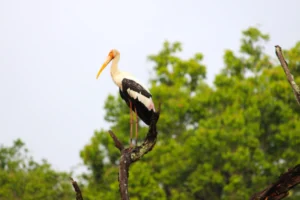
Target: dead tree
point(130, 155)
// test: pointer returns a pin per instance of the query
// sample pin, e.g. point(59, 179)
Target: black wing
point(132, 85)
point(142, 111)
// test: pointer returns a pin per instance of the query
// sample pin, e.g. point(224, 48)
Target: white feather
point(144, 100)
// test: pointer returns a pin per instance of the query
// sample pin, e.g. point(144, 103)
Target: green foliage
point(225, 141)
point(23, 178)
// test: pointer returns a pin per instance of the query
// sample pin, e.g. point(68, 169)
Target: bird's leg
point(136, 127)
point(131, 119)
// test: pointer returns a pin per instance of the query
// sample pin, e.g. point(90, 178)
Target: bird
point(137, 97)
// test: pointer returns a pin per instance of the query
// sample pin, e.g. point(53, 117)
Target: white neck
point(114, 70)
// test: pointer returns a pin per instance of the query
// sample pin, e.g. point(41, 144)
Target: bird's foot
point(136, 142)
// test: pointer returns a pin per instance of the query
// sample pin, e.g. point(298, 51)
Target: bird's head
point(112, 54)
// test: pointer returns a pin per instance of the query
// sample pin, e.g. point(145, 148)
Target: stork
point(135, 94)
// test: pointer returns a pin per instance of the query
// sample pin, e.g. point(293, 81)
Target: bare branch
point(117, 142)
point(130, 155)
point(288, 74)
point(280, 188)
point(77, 189)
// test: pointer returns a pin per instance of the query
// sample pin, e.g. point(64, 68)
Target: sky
point(51, 51)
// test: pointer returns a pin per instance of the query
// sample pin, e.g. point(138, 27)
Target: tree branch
point(117, 142)
point(291, 178)
point(288, 74)
point(130, 155)
point(77, 189)
point(280, 188)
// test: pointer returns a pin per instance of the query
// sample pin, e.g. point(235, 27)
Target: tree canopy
point(23, 178)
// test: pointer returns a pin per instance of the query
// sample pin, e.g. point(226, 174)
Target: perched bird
point(135, 94)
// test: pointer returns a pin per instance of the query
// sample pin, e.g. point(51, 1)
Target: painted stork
point(135, 94)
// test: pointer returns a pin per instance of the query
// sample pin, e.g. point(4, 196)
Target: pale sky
point(50, 52)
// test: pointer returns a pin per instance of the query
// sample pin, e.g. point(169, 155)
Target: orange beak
point(108, 59)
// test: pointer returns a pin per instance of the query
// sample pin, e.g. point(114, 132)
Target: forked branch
point(130, 155)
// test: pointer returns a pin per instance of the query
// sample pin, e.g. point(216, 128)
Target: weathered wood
point(130, 155)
